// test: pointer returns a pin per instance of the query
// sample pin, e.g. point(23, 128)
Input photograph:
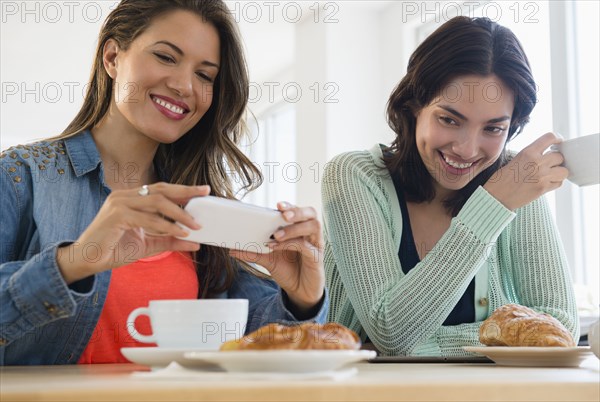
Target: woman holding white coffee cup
point(448, 225)
point(89, 218)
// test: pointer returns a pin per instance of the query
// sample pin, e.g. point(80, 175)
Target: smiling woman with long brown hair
point(426, 237)
point(159, 125)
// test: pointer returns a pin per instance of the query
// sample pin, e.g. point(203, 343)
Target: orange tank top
point(169, 275)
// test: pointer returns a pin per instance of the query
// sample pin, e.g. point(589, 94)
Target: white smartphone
point(233, 224)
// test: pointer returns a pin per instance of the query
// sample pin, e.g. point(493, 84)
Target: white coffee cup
point(582, 159)
point(193, 324)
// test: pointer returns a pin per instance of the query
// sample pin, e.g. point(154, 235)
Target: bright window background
point(588, 117)
point(271, 149)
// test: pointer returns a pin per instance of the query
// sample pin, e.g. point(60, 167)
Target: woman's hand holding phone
point(130, 225)
point(296, 262)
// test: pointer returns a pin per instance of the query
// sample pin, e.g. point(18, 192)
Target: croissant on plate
point(516, 325)
point(305, 336)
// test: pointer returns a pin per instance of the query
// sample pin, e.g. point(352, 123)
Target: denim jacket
point(50, 191)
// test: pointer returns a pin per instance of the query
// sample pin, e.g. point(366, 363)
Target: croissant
point(305, 336)
point(516, 325)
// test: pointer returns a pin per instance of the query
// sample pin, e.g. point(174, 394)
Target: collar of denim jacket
point(83, 153)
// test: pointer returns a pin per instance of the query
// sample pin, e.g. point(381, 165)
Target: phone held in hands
point(233, 224)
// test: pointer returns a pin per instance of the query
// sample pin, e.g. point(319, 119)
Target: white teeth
point(171, 107)
point(455, 164)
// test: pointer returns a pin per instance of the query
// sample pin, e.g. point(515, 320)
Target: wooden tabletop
point(373, 382)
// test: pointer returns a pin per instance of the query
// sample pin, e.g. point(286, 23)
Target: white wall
point(338, 67)
point(46, 50)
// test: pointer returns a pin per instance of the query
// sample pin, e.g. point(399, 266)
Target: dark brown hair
point(461, 46)
point(208, 153)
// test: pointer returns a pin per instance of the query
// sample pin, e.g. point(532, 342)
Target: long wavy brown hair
point(461, 46)
point(208, 153)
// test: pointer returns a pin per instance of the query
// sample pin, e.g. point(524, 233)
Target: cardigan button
point(483, 301)
point(3, 342)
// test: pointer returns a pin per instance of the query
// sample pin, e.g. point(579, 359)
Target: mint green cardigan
point(515, 257)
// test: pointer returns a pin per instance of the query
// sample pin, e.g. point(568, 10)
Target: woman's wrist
point(303, 309)
point(70, 266)
point(500, 193)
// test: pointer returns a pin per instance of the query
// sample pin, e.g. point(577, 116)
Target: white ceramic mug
point(192, 324)
point(582, 159)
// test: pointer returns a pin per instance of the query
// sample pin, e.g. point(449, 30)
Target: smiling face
point(163, 84)
point(464, 130)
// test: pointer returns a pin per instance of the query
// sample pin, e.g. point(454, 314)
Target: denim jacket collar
point(85, 158)
point(83, 153)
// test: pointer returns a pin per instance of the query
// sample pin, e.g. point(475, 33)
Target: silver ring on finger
point(144, 191)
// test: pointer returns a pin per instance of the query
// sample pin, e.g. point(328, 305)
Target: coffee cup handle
point(131, 325)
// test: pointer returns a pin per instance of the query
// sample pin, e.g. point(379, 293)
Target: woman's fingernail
point(284, 204)
point(288, 214)
point(279, 234)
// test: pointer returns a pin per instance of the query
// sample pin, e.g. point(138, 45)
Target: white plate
point(533, 356)
point(282, 361)
point(156, 357)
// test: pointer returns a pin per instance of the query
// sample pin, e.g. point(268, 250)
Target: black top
point(464, 311)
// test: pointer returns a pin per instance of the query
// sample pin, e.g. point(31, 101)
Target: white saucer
point(281, 361)
point(156, 357)
point(530, 356)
